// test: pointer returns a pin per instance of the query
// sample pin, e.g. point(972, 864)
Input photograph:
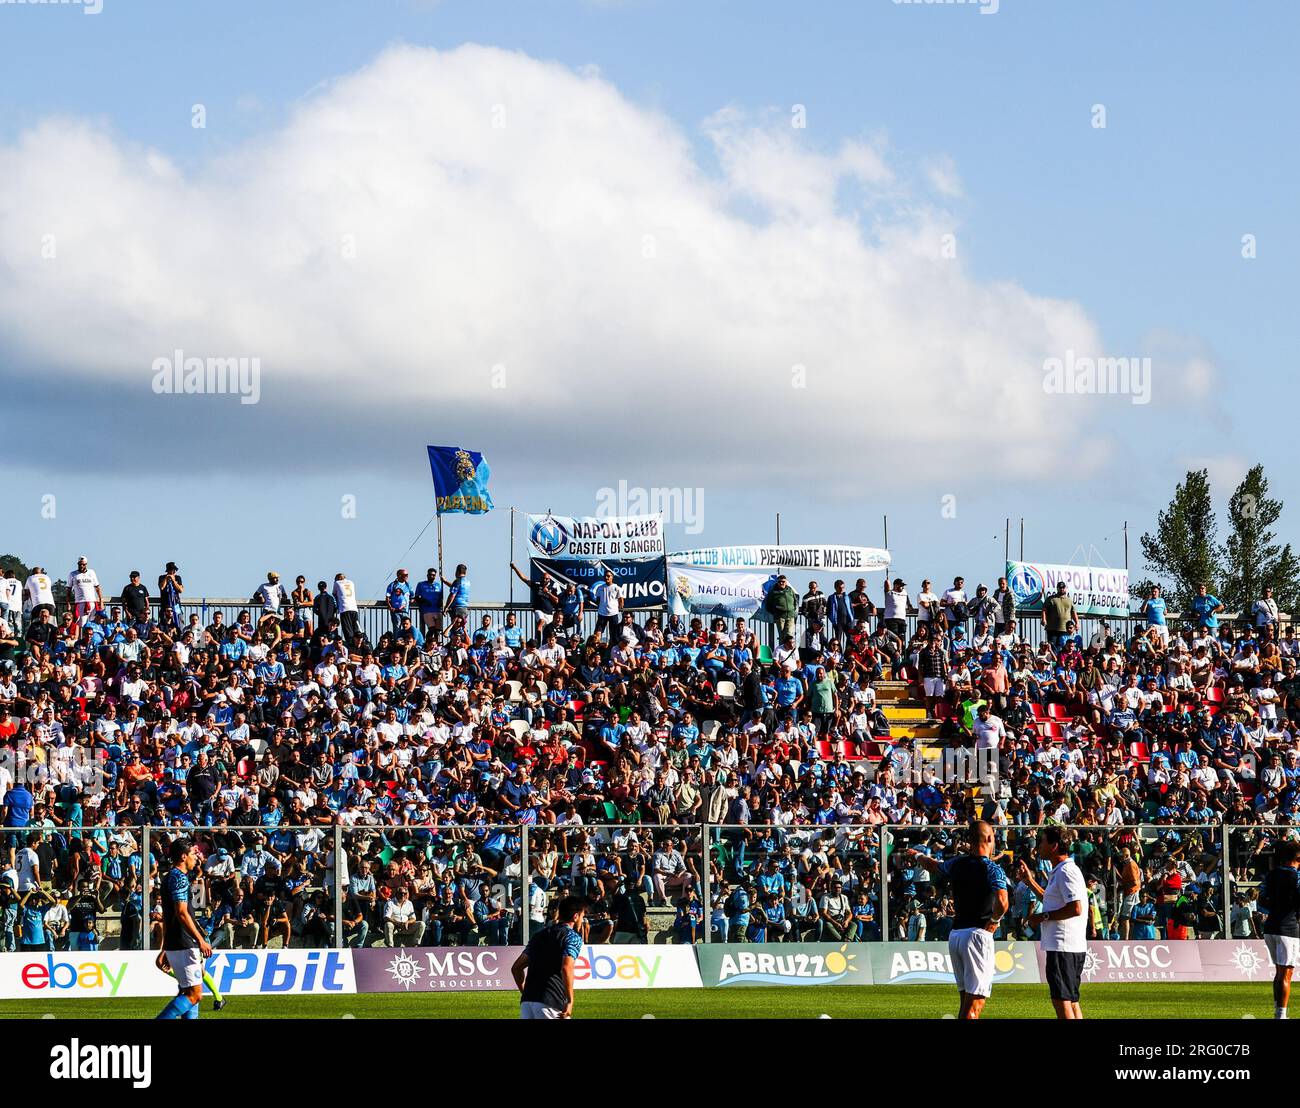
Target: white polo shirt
point(1065, 886)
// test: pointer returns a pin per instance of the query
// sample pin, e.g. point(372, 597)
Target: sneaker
point(218, 1005)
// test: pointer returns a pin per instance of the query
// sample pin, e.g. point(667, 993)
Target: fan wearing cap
point(86, 593)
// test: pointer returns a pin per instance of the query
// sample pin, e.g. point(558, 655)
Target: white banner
point(703, 592)
point(589, 538)
point(1095, 590)
point(37, 975)
point(636, 967)
point(849, 559)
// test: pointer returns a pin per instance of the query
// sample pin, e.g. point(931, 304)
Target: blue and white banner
point(1096, 591)
point(460, 480)
point(642, 579)
point(586, 538)
point(702, 592)
point(849, 559)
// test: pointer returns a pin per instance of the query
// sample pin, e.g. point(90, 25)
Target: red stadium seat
point(1057, 711)
point(1055, 732)
point(850, 750)
point(1214, 695)
point(1139, 751)
point(1037, 710)
point(944, 710)
point(824, 749)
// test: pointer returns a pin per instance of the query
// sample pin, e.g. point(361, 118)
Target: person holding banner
point(545, 600)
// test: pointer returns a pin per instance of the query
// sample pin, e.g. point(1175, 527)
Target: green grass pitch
point(1145, 1001)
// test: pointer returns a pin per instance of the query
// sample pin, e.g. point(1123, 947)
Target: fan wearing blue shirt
point(1207, 608)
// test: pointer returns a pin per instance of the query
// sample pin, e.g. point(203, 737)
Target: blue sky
point(1135, 227)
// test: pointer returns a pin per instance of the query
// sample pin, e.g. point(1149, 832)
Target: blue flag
point(460, 480)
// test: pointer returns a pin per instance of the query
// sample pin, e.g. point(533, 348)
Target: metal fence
point(323, 886)
point(374, 618)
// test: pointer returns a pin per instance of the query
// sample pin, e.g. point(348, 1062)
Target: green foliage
point(1183, 551)
point(1252, 558)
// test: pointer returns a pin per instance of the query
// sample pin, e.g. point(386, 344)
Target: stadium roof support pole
point(1226, 892)
point(707, 864)
point(144, 888)
point(884, 884)
point(339, 941)
point(525, 875)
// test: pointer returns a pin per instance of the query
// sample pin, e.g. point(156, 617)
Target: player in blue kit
point(184, 946)
point(544, 971)
point(979, 892)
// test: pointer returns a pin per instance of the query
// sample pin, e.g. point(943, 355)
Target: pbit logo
point(550, 536)
point(282, 971)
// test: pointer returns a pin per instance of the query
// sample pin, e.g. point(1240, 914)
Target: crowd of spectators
point(430, 747)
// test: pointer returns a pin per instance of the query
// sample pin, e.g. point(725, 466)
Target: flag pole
point(440, 574)
point(512, 556)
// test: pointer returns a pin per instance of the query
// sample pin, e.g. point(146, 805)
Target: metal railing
point(374, 619)
point(515, 870)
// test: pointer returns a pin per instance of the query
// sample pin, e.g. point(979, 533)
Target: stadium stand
point(384, 780)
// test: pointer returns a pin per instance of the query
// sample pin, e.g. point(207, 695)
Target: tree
point(1183, 552)
point(12, 561)
point(1252, 559)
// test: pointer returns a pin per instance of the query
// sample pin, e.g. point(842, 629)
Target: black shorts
point(1064, 972)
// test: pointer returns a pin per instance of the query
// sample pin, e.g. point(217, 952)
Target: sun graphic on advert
point(405, 970)
point(1008, 959)
point(841, 961)
point(1246, 961)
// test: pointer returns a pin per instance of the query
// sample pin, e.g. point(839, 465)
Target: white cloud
point(582, 245)
point(1225, 471)
point(941, 172)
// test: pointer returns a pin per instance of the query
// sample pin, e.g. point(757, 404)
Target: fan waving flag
point(460, 480)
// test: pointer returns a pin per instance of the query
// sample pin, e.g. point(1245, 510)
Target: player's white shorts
point(934, 686)
point(972, 960)
point(187, 965)
point(1283, 949)
point(536, 1010)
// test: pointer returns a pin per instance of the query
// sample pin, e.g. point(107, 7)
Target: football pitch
point(1133, 1001)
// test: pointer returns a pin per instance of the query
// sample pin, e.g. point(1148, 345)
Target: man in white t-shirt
point(609, 600)
point(86, 595)
point(11, 600)
point(1064, 919)
point(345, 598)
point(954, 601)
point(40, 592)
point(990, 731)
